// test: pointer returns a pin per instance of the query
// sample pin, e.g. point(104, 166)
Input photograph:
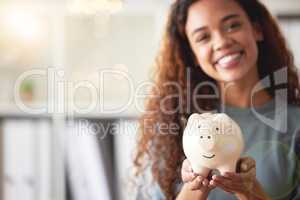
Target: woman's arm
point(256, 194)
point(187, 194)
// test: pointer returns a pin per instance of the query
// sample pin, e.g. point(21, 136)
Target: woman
point(223, 56)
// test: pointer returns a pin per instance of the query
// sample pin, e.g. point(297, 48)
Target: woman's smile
point(230, 60)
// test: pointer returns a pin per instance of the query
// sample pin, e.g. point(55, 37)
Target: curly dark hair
point(160, 147)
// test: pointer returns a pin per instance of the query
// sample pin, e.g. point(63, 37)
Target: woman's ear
point(258, 34)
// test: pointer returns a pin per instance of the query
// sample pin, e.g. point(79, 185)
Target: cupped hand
point(240, 183)
point(194, 180)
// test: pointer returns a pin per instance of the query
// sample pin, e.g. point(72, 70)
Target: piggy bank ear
point(226, 124)
point(222, 117)
point(206, 115)
point(196, 116)
point(193, 118)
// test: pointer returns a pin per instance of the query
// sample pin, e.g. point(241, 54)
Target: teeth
point(229, 58)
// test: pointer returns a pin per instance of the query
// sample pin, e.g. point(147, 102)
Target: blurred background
point(73, 78)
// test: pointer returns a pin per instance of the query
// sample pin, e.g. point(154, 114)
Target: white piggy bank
point(212, 141)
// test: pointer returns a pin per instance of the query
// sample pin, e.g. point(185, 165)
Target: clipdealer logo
point(280, 79)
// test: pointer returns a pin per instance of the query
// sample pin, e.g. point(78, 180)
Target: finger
point(205, 187)
point(245, 163)
point(232, 176)
point(188, 176)
point(240, 177)
point(223, 187)
point(205, 183)
point(211, 186)
point(225, 181)
point(247, 175)
point(212, 183)
point(227, 188)
point(247, 166)
point(221, 178)
point(248, 160)
point(238, 181)
point(196, 183)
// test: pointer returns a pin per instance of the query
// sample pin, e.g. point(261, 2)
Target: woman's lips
point(230, 60)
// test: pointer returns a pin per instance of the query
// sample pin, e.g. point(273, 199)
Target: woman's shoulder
point(294, 127)
point(294, 109)
point(293, 113)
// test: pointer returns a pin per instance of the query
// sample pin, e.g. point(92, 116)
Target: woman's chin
point(232, 77)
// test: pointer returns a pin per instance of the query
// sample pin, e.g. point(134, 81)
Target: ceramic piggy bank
point(212, 141)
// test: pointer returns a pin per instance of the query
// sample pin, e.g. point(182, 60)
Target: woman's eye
point(233, 26)
point(202, 38)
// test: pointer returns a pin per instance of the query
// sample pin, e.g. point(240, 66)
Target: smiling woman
point(236, 46)
point(224, 45)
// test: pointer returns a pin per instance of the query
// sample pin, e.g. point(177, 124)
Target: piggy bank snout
point(208, 142)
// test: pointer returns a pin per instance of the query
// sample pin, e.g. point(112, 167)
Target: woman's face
point(223, 39)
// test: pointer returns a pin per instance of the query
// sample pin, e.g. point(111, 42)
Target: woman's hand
point(195, 186)
point(193, 180)
point(241, 184)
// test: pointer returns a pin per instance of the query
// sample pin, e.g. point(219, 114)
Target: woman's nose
point(221, 41)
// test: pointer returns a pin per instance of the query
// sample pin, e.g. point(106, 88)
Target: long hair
point(159, 145)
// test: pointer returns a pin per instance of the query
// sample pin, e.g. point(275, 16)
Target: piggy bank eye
point(201, 137)
point(208, 137)
point(217, 129)
point(199, 126)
